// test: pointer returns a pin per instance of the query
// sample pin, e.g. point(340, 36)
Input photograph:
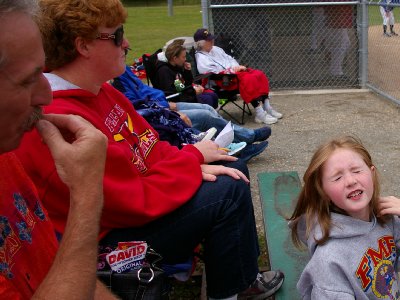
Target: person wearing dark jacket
point(175, 75)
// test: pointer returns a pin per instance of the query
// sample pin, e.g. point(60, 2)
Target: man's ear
point(81, 46)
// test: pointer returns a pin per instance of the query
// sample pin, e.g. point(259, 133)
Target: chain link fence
point(312, 45)
point(298, 45)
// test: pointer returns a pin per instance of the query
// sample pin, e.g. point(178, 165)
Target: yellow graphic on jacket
point(120, 122)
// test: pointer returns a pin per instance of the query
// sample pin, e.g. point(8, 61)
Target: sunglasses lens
point(119, 36)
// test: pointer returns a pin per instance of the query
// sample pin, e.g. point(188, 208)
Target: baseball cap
point(203, 34)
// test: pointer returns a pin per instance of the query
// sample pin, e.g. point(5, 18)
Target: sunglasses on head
point(117, 36)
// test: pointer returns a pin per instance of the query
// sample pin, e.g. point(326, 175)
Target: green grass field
point(375, 17)
point(149, 28)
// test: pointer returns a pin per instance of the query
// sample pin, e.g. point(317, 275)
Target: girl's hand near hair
point(389, 205)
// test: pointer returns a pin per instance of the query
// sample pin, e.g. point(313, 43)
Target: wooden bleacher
point(278, 193)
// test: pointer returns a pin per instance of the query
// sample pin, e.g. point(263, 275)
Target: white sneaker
point(266, 119)
point(272, 112)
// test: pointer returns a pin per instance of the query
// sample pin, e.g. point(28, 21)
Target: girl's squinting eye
point(337, 178)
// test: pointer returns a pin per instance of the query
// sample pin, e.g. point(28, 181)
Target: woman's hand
point(210, 173)
point(211, 152)
point(172, 106)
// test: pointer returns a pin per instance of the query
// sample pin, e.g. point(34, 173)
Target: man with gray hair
point(33, 264)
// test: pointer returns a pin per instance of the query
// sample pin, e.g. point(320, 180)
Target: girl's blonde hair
point(314, 203)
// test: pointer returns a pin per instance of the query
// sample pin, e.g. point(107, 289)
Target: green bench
point(278, 193)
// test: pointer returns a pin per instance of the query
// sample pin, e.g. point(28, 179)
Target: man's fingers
point(71, 123)
point(49, 133)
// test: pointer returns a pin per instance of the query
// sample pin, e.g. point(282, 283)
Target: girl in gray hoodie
point(352, 241)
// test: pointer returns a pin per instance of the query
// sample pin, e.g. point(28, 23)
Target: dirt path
point(383, 65)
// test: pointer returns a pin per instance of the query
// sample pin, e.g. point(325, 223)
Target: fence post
point(363, 55)
point(170, 8)
point(204, 9)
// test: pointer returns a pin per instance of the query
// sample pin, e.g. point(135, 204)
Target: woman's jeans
point(204, 117)
point(220, 215)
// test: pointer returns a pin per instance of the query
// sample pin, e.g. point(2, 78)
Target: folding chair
point(227, 95)
point(149, 63)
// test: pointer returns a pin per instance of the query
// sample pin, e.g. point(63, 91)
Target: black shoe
point(252, 150)
point(261, 134)
point(265, 285)
point(393, 33)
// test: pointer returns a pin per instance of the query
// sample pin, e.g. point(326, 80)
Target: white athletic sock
point(260, 113)
point(267, 106)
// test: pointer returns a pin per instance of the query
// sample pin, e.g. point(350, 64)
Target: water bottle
point(179, 85)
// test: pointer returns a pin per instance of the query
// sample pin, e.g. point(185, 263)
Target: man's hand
point(77, 147)
point(389, 206)
point(79, 153)
point(185, 119)
point(210, 173)
point(212, 153)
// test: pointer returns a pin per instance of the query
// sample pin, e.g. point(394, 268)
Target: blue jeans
point(204, 117)
point(220, 215)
